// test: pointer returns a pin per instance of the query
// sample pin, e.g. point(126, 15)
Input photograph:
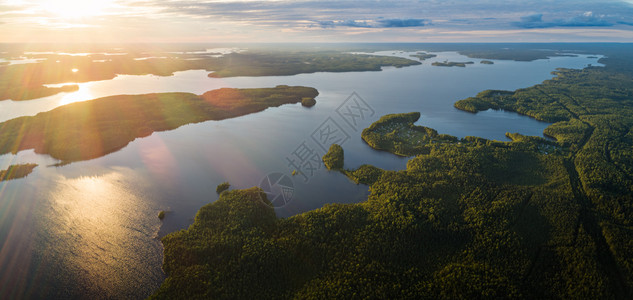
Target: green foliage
point(222, 187)
point(568, 133)
point(466, 213)
point(593, 111)
point(161, 214)
point(397, 134)
point(530, 218)
point(16, 171)
point(365, 174)
point(334, 158)
point(91, 129)
point(273, 63)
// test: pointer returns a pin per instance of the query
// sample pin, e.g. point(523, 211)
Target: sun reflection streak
point(84, 93)
point(99, 221)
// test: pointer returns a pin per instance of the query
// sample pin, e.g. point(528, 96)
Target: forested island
point(487, 62)
point(423, 55)
point(90, 129)
point(292, 63)
point(16, 171)
point(451, 64)
point(529, 218)
point(27, 81)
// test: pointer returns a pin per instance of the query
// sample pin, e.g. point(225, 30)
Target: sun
point(76, 9)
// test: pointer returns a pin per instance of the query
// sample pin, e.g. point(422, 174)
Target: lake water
point(90, 229)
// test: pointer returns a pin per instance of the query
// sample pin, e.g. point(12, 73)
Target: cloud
point(344, 23)
point(311, 20)
point(464, 14)
point(586, 19)
point(389, 23)
point(379, 23)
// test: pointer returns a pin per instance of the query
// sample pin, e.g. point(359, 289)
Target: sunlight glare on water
point(95, 224)
point(84, 93)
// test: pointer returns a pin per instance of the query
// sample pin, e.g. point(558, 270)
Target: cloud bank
point(381, 23)
point(309, 20)
point(587, 19)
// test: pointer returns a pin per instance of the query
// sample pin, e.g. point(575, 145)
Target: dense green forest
point(26, 81)
point(16, 171)
point(291, 63)
point(90, 129)
point(397, 134)
point(334, 158)
point(530, 218)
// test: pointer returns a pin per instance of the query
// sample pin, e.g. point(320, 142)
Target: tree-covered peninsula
point(16, 171)
point(525, 219)
point(291, 63)
point(397, 134)
point(334, 158)
point(28, 81)
point(94, 128)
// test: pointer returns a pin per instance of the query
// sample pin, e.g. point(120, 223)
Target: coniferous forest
point(468, 219)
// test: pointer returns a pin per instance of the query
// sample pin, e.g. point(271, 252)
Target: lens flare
point(76, 9)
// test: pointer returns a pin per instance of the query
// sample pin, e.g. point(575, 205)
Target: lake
point(90, 229)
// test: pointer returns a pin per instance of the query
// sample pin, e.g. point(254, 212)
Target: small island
point(423, 55)
point(451, 64)
point(91, 129)
point(16, 171)
point(334, 158)
point(396, 133)
point(487, 62)
point(308, 102)
point(292, 63)
point(161, 215)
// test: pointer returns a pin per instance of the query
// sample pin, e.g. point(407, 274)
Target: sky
point(215, 21)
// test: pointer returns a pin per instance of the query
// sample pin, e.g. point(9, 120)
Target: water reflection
point(93, 231)
point(84, 93)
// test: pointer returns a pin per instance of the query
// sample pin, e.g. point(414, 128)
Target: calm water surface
point(90, 229)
